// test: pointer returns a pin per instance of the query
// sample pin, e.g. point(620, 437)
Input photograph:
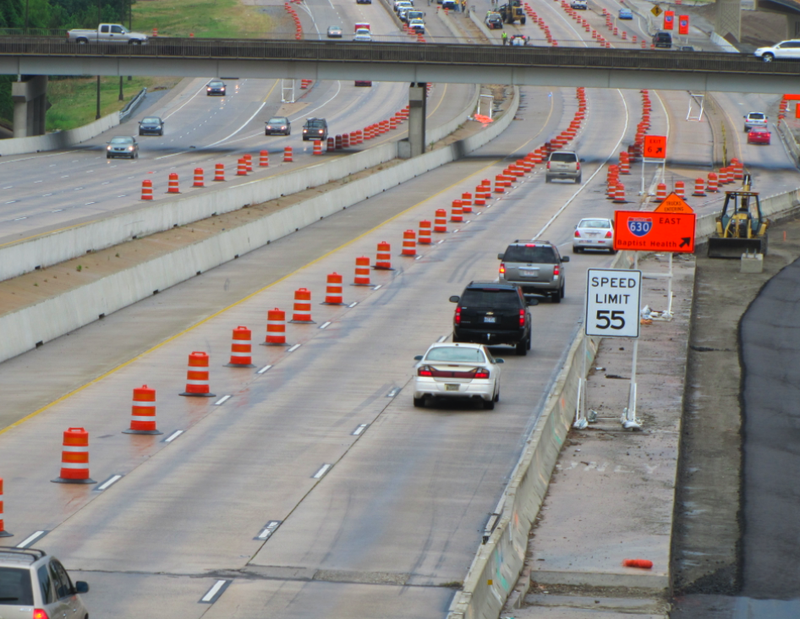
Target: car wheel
point(577, 250)
point(528, 342)
point(547, 179)
point(488, 405)
point(522, 21)
point(557, 296)
point(497, 396)
point(768, 57)
point(521, 349)
point(108, 156)
point(419, 402)
point(578, 180)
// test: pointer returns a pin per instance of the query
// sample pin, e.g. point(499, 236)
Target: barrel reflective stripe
point(190, 381)
point(147, 404)
point(142, 417)
point(83, 466)
point(76, 449)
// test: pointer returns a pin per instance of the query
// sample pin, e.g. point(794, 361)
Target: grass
point(74, 100)
point(202, 18)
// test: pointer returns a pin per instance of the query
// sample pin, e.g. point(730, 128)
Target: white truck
point(106, 33)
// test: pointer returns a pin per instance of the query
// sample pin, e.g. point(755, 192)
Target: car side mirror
point(455, 299)
point(81, 586)
point(500, 256)
point(499, 361)
point(582, 160)
point(564, 258)
point(418, 358)
point(532, 301)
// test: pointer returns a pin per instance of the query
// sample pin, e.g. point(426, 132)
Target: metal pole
point(580, 411)
point(121, 96)
point(629, 421)
point(669, 287)
point(642, 192)
point(97, 116)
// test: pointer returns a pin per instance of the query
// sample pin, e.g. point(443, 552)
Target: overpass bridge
point(412, 62)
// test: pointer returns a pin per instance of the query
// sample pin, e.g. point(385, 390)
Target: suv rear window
point(15, 587)
point(565, 157)
point(524, 253)
point(490, 297)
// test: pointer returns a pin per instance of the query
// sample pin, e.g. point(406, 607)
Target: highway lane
point(191, 508)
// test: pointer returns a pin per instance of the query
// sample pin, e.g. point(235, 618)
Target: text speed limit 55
point(613, 302)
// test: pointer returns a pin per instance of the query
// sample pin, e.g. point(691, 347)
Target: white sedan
point(457, 371)
point(593, 233)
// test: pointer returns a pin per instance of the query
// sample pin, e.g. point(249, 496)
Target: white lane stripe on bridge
point(31, 538)
point(360, 429)
point(222, 400)
point(268, 530)
point(266, 368)
point(321, 472)
point(173, 436)
point(215, 591)
point(109, 482)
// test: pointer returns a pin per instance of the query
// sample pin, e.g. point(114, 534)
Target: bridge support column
point(417, 104)
point(30, 105)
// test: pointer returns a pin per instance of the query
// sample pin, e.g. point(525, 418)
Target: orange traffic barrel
point(219, 172)
point(287, 155)
point(619, 193)
point(409, 243)
point(333, 290)
point(661, 192)
point(499, 187)
point(3, 532)
point(241, 167)
point(143, 412)
point(173, 183)
point(384, 258)
point(424, 232)
point(699, 187)
point(276, 328)
point(241, 348)
point(362, 271)
point(456, 212)
point(440, 221)
point(317, 147)
point(75, 458)
point(197, 376)
point(198, 178)
point(147, 189)
point(248, 161)
point(680, 189)
point(337, 141)
point(263, 159)
point(345, 140)
point(302, 306)
point(466, 202)
point(330, 146)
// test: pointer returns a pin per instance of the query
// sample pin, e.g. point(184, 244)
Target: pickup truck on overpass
point(107, 33)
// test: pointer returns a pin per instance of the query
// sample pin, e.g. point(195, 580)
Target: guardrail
point(131, 106)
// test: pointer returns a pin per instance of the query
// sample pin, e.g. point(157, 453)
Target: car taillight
point(577, 165)
point(548, 165)
point(522, 318)
point(481, 373)
point(502, 269)
point(38, 613)
point(424, 371)
point(608, 234)
point(457, 318)
point(577, 234)
point(556, 271)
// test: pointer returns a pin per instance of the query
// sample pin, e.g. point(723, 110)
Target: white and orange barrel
point(3, 532)
point(317, 147)
point(197, 381)
point(198, 178)
point(466, 202)
point(362, 271)
point(337, 141)
point(241, 167)
point(143, 412)
point(661, 192)
point(333, 290)
point(219, 172)
point(75, 458)
point(409, 243)
point(263, 159)
point(345, 140)
point(302, 306)
point(383, 259)
point(174, 186)
point(699, 187)
point(241, 348)
point(330, 145)
point(440, 220)
point(287, 155)
point(499, 186)
point(425, 232)
point(680, 189)
point(713, 183)
point(276, 328)
point(619, 193)
point(456, 212)
point(248, 161)
point(147, 189)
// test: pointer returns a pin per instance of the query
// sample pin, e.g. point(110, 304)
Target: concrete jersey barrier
point(58, 139)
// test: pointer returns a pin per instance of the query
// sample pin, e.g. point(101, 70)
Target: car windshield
point(216, 84)
point(500, 298)
point(456, 353)
point(756, 116)
point(533, 253)
point(594, 223)
point(151, 121)
point(15, 587)
point(278, 120)
point(121, 140)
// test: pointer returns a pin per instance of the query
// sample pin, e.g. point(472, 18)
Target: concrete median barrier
point(59, 139)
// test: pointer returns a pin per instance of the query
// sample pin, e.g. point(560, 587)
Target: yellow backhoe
point(740, 227)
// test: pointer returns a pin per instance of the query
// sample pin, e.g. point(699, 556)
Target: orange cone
point(409, 243)
point(75, 458)
point(456, 212)
point(440, 221)
point(173, 183)
point(333, 290)
point(241, 167)
point(143, 412)
point(276, 328)
point(263, 159)
point(147, 189)
point(302, 306)
point(317, 147)
point(198, 178)
point(424, 232)
point(3, 532)
point(383, 260)
point(197, 376)
point(362, 271)
point(219, 172)
point(287, 155)
point(241, 349)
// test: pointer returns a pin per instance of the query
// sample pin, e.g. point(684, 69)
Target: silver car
point(122, 146)
point(35, 584)
point(563, 164)
point(593, 233)
point(457, 371)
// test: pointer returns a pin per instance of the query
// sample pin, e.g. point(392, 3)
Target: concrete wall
point(57, 316)
point(59, 139)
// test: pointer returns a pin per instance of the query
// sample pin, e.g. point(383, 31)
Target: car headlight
point(130, 147)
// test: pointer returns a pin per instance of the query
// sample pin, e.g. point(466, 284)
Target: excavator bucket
point(719, 247)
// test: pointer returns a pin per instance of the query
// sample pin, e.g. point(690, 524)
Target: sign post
point(613, 307)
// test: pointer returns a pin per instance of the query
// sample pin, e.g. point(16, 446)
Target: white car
point(457, 371)
point(593, 233)
point(755, 120)
point(785, 50)
point(579, 5)
point(417, 25)
point(362, 34)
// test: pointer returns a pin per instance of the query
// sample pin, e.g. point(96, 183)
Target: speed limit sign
point(613, 302)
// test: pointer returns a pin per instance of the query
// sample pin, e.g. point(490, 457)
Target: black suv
point(493, 313)
point(662, 39)
point(536, 267)
point(315, 129)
